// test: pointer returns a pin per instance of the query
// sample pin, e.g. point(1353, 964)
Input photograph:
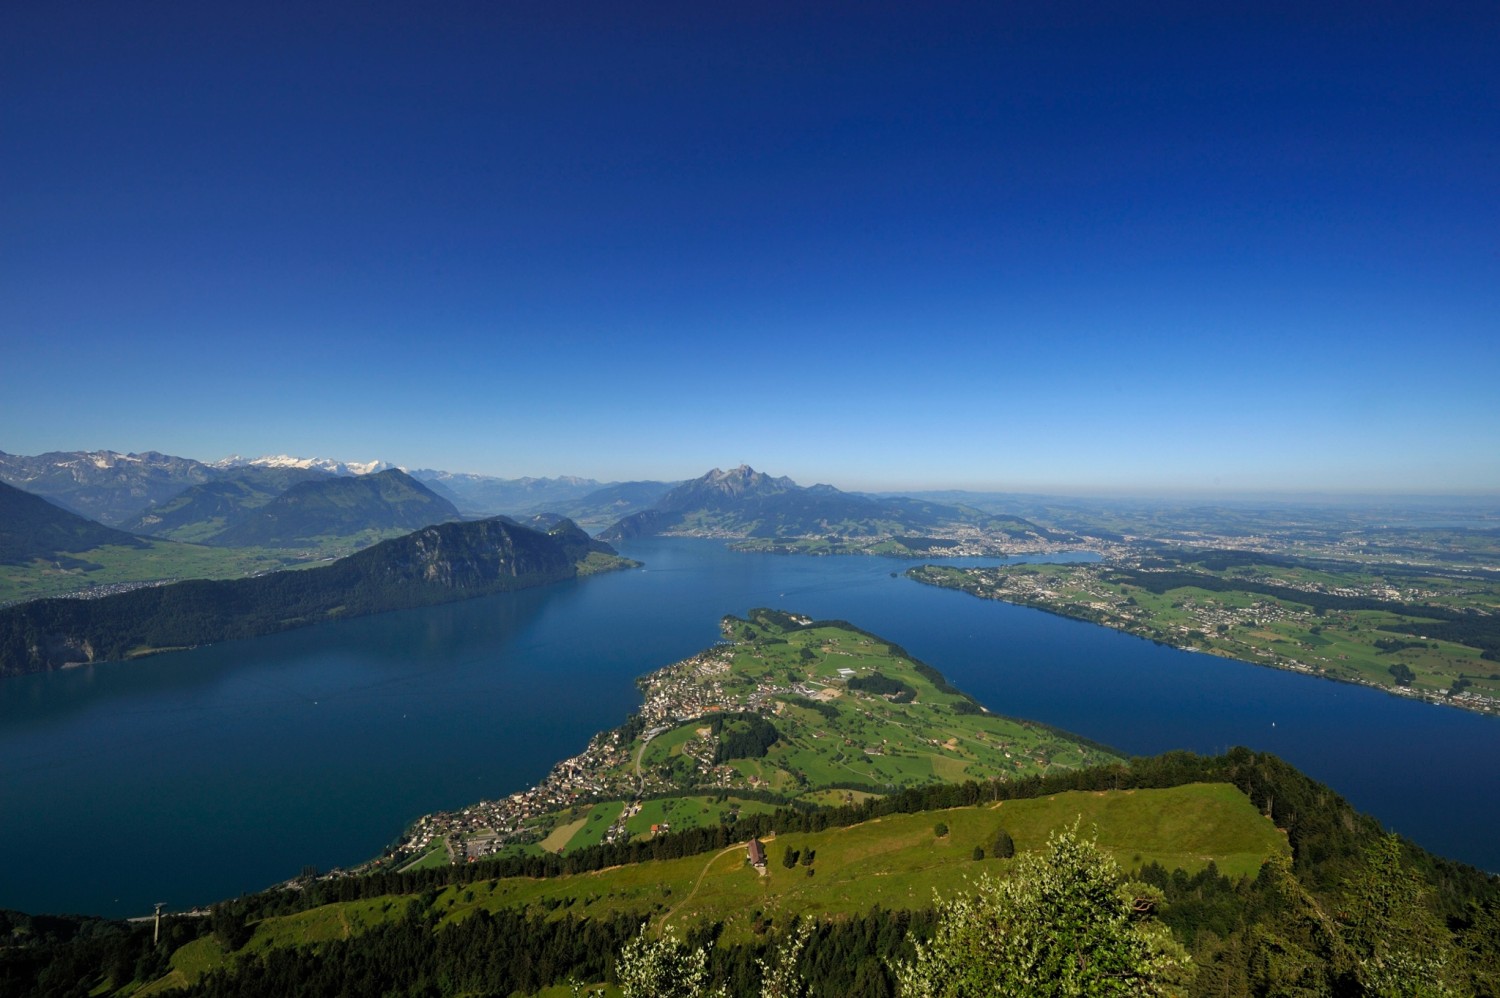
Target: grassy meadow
point(898, 862)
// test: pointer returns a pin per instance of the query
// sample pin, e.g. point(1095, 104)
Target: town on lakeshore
point(784, 708)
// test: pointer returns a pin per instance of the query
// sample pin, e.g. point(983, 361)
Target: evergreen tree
point(1401, 947)
point(1004, 847)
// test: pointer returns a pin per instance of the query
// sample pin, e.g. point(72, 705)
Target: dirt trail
point(699, 882)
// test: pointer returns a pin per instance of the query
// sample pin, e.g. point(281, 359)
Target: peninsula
point(784, 711)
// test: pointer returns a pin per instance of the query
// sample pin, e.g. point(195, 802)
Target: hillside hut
point(757, 854)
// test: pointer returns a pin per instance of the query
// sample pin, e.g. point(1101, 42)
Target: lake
point(195, 776)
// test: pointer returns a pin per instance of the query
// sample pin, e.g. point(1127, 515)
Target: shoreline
point(1483, 708)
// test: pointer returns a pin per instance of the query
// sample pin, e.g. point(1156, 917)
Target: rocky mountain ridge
point(746, 504)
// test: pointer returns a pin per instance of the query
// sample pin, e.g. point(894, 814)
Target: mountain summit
point(719, 489)
point(745, 503)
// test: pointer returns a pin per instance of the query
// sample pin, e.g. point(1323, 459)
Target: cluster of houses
point(485, 828)
point(605, 770)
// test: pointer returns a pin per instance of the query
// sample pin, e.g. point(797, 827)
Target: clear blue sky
point(1057, 246)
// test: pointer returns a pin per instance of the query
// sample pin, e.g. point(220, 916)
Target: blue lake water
point(190, 777)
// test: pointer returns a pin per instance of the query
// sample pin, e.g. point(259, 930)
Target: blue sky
point(1086, 247)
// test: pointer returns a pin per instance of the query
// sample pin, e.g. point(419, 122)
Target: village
point(607, 769)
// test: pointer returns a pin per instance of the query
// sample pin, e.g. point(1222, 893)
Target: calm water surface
point(200, 775)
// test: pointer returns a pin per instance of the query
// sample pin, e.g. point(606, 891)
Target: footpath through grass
point(896, 862)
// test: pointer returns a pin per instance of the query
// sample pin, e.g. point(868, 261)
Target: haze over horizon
point(1170, 249)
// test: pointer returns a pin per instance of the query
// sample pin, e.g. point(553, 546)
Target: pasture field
point(162, 560)
point(897, 862)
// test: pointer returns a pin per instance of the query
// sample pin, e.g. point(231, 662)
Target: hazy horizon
point(1081, 491)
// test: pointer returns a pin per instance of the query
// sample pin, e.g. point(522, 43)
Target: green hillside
point(32, 528)
point(1268, 881)
point(1263, 877)
point(896, 862)
point(338, 507)
point(440, 564)
point(202, 512)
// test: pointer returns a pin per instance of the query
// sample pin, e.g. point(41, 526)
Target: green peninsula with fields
point(784, 712)
point(1424, 633)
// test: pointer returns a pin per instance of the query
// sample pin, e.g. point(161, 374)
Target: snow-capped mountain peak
point(320, 463)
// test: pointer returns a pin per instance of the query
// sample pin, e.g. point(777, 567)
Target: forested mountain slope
point(438, 564)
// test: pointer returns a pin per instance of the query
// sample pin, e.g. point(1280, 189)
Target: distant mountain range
point(610, 503)
point(747, 504)
point(583, 500)
point(287, 501)
point(149, 492)
point(103, 485)
point(437, 564)
point(482, 495)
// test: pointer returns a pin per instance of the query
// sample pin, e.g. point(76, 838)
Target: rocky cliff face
point(718, 489)
point(471, 555)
